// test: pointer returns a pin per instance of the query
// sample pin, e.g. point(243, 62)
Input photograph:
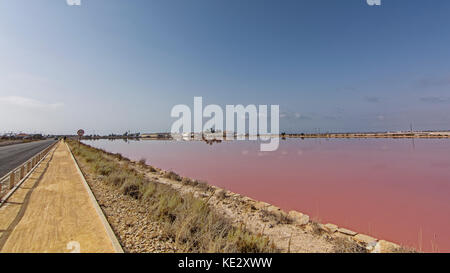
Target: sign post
point(80, 133)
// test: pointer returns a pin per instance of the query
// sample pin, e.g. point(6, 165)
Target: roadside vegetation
point(187, 220)
point(5, 141)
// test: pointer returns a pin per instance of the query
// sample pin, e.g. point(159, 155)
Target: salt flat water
point(392, 189)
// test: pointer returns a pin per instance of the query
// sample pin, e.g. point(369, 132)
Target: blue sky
point(115, 65)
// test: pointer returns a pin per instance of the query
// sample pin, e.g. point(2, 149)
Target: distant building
point(22, 136)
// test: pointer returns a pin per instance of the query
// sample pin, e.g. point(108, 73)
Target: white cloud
point(381, 117)
point(296, 115)
point(28, 103)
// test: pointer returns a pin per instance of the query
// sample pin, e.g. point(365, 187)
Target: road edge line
point(112, 236)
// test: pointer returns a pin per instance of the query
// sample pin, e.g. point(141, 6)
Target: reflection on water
point(395, 189)
point(211, 141)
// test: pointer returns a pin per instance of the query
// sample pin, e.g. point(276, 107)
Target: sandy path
point(52, 212)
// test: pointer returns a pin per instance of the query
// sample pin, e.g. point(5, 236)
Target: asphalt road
point(12, 156)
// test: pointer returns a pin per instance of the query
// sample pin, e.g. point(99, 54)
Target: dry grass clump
point(143, 162)
point(202, 185)
point(404, 249)
point(222, 194)
point(316, 228)
point(188, 181)
point(346, 245)
point(187, 221)
point(278, 217)
point(172, 175)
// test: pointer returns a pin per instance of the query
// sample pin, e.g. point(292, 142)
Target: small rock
point(385, 247)
point(203, 195)
point(331, 228)
point(277, 212)
point(220, 194)
point(261, 205)
point(129, 221)
point(347, 231)
point(299, 218)
point(371, 246)
point(273, 209)
point(365, 239)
